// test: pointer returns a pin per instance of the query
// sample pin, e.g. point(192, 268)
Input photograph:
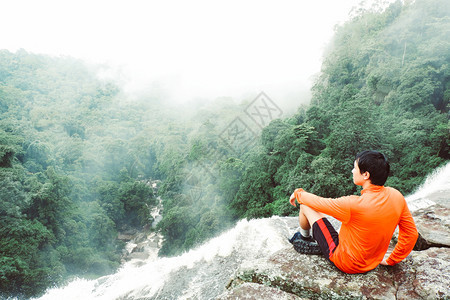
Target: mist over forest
point(78, 155)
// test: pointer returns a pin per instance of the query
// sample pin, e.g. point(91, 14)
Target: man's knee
point(311, 214)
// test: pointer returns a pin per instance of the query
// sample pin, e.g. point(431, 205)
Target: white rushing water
point(203, 273)
point(435, 189)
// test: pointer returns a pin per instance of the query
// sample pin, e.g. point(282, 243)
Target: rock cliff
point(286, 274)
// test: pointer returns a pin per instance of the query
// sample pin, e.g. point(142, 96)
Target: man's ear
point(366, 175)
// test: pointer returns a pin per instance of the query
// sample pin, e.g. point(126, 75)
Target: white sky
point(196, 48)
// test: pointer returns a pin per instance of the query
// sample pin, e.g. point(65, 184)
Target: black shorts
point(326, 236)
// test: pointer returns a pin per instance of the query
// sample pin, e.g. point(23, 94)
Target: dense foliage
point(384, 85)
point(71, 173)
point(76, 154)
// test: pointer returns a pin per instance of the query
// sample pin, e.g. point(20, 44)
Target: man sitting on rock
point(368, 221)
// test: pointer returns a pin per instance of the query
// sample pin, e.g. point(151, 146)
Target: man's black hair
point(375, 163)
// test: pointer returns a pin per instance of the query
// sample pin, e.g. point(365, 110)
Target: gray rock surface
point(422, 275)
point(433, 223)
point(253, 291)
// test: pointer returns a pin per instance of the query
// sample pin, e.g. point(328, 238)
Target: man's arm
point(338, 208)
point(407, 238)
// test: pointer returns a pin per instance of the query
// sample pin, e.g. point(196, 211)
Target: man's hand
point(384, 263)
point(292, 199)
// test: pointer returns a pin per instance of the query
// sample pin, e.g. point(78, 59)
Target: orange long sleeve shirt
point(368, 223)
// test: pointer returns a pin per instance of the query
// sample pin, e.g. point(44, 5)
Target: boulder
point(139, 248)
point(433, 224)
point(137, 255)
point(422, 275)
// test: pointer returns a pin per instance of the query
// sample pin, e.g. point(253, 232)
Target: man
point(368, 221)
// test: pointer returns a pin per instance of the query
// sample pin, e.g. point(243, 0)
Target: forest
point(78, 156)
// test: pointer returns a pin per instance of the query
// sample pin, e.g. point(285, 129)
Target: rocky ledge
point(424, 274)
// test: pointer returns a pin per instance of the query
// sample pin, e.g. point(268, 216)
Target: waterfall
point(204, 272)
point(434, 190)
point(201, 273)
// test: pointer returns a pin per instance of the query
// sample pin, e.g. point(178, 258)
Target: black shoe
point(299, 236)
point(296, 236)
point(305, 245)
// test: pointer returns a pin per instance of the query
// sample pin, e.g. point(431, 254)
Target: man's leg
point(326, 236)
point(307, 217)
point(303, 241)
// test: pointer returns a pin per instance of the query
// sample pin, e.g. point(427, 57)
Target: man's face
point(358, 178)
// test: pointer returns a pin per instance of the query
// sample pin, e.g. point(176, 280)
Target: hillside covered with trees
point(384, 85)
point(68, 173)
point(77, 154)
